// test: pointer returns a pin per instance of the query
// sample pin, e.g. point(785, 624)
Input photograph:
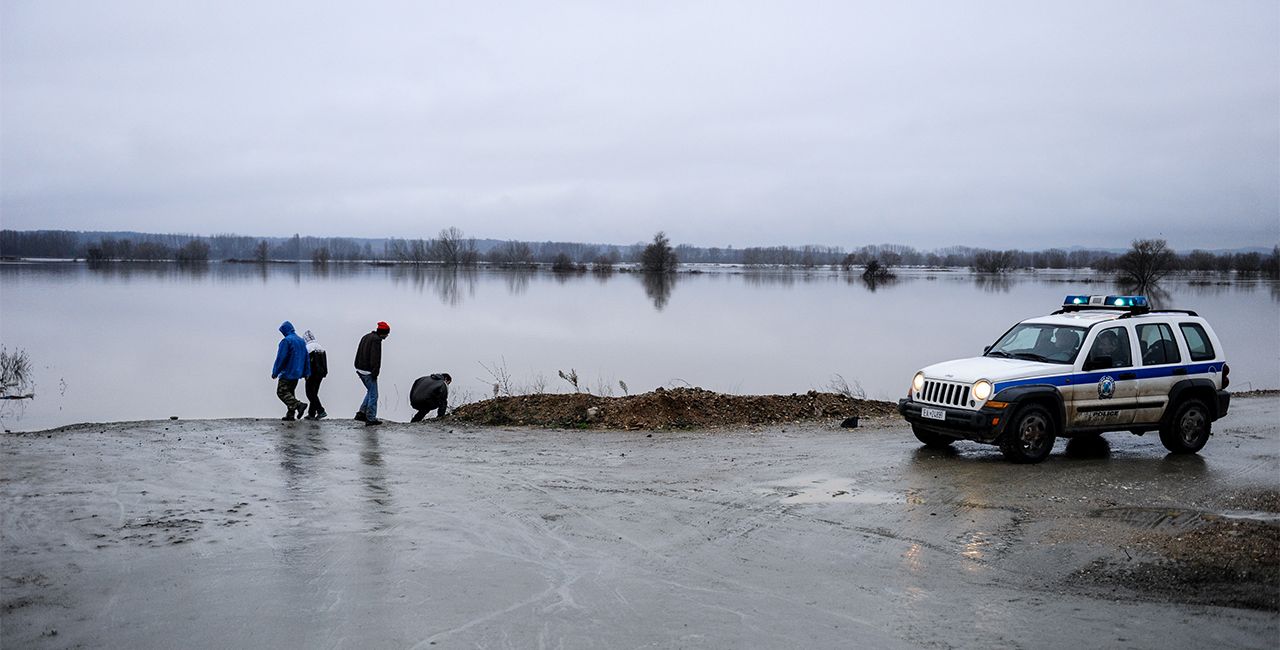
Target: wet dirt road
point(241, 533)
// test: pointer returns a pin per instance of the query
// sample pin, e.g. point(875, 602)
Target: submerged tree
point(993, 261)
point(876, 271)
point(193, 252)
point(1146, 262)
point(658, 257)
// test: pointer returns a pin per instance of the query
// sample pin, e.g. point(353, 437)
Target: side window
point(1112, 344)
point(1157, 345)
point(1197, 342)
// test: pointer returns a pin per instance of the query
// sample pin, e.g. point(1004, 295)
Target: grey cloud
point(1014, 124)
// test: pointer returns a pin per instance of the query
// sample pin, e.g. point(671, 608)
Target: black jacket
point(369, 354)
point(428, 393)
point(319, 364)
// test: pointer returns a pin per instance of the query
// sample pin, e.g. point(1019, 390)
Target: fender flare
point(1018, 395)
point(1199, 384)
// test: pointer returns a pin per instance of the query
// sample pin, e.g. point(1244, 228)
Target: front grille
point(945, 393)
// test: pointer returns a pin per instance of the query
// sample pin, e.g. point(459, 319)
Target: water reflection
point(298, 449)
point(517, 281)
point(760, 277)
point(872, 283)
point(658, 287)
point(1157, 296)
point(993, 282)
point(1190, 465)
point(373, 475)
point(448, 284)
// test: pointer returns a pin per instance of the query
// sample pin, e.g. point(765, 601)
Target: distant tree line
point(452, 247)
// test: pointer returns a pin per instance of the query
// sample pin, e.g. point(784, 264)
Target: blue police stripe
point(1091, 377)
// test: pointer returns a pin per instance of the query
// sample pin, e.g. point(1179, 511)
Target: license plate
point(933, 414)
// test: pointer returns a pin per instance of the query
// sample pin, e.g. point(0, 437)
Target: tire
point(931, 439)
point(1031, 438)
point(1189, 428)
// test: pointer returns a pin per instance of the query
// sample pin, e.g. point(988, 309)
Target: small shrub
point(571, 377)
point(15, 373)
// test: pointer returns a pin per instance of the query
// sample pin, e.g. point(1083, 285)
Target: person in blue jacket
point(291, 365)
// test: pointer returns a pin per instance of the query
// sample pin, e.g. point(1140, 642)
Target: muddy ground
point(254, 533)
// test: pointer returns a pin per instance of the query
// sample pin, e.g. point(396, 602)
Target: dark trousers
point(284, 390)
point(424, 410)
point(313, 396)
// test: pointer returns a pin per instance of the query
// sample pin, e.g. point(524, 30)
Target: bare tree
point(658, 256)
point(1146, 262)
point(448, 246)
point(512, 253)
point(469, 252)
point(261, 251)
point(993, 261)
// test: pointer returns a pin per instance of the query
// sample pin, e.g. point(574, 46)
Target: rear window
point(1197, 342)
point(1157, 345)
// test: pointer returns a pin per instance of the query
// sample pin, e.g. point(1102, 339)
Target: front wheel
point(1189, 428)
point(931, 439)
point(1031, 437)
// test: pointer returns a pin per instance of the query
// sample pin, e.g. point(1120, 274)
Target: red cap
point(383, 326)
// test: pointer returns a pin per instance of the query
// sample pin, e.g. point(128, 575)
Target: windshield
point(1039, 342)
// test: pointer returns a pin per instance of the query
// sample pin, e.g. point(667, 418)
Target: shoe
point(288, 417)
point(370, 423)
point(308, 417)
point(360, 416)
point(301, 408)
point(321, 415)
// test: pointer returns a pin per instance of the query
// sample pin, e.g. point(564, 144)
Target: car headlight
point(982, 390)
point(917, 382)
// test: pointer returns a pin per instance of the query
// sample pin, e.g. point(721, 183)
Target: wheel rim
point(1033, 433)
point(1192, 425)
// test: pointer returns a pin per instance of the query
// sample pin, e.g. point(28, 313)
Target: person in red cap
point(368, 363)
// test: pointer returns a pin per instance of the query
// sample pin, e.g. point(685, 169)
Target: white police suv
point(1101, 363)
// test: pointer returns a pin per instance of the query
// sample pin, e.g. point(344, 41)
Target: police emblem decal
point(1106, 387)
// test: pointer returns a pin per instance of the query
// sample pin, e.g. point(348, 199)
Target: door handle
point(1127, 375)
point(1179, 371)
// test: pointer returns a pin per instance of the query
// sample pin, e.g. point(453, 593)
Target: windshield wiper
point(1032, 356)
point(999, 353)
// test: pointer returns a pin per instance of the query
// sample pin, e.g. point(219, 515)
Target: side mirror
point(986, 349)
point(1095, 363)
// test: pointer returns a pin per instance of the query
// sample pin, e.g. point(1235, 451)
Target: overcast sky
point(1028, 124)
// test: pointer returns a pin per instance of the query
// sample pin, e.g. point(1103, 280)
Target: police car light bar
point(1127, 303)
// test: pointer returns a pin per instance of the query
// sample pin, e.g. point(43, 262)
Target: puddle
point(828, 489)
point(1252, 515)
point(1158, 518)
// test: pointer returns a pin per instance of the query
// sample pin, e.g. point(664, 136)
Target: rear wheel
point(1031, 437)
point(931, 439)
point(1189, 428)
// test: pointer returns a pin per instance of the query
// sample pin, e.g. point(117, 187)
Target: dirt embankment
point(677, 408)
point(1225, 561)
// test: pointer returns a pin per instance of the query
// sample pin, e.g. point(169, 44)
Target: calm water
point(146, 342)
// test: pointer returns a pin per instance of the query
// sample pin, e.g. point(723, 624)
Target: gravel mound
point(677, 408)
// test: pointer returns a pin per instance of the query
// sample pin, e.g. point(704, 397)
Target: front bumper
point(983, 425)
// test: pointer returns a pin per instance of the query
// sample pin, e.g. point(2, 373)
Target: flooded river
point(133, 342)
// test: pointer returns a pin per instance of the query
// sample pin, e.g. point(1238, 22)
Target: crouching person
point(430, 392)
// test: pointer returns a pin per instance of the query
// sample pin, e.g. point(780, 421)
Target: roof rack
point(1160, 311)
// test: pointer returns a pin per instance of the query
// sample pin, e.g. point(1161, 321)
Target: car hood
point(994, 369)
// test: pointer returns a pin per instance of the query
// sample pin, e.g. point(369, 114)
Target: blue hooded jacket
point(291, 356)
